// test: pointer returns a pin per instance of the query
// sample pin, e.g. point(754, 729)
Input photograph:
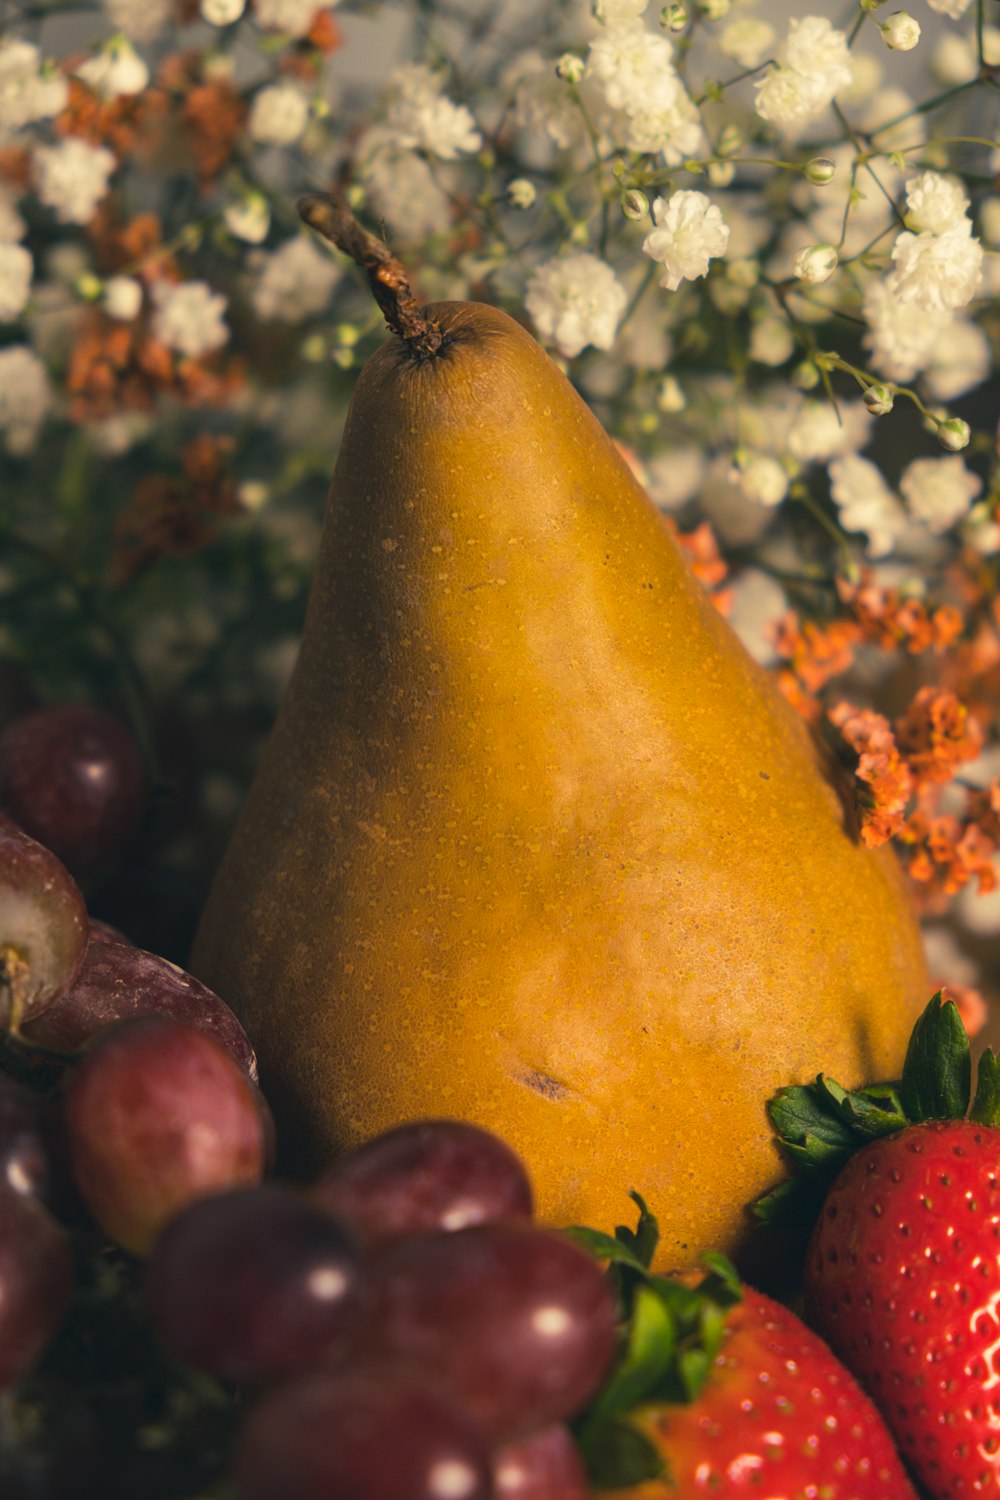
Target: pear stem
point(387, 277)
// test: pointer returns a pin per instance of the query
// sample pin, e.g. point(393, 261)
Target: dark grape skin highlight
point(43, 926)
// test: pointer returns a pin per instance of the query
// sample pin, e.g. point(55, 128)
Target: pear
point(534, 843)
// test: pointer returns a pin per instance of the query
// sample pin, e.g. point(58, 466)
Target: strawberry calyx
point(821, 1125)
point(671, 1333)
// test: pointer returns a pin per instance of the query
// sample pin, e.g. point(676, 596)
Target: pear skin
point(534, 843)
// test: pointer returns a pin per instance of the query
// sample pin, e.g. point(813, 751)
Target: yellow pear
point(534, 842)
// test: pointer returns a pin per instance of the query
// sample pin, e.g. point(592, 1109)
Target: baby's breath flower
point(954, 9)
point(900, 32)
point(989, 220)
point(771, 341)
point(819, 170)
point(521, 193)
point(189, 317)
point(960, 361)
point(878, 399)
point(821, 431)
point(292, 17)
point(900, 344)
point(16, 268)
point(122, 298)
point(610, 11)
point(669, 395)
point(72, 178)
point(937, 270)
point(294, 282)
point(866, 503)
point(939, 491)
point(954, 434)
point(570, 68)
point(689, 233)
point(402, 190)
point(576, 300)
point(635, 205)
point(27, 92)
point(25, 398)
point(761, 478)
point(115, 69)
point(248, 218)
point(222, 12)
point(816, 264)
point(279, 115)
point(420, 115)
point(12, 226)
point(674, 17)
point(633, 67)
point(813, 62)
point(747, 40)
point(935, 202)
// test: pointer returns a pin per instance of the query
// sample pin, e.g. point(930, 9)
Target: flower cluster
point(767, 254)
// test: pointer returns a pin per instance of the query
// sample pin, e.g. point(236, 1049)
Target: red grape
point(118, 981)
point(25, 1134)
point(103, 932)
point(43, 926)
point(514, 1321)
point(545, 1466)
point(254, 1283)
point(362, 1436)
point(158, 1114)
point(432, 1174)
point(36, 1275)
point(73, 778)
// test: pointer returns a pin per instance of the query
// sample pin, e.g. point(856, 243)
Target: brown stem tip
point(332, 218)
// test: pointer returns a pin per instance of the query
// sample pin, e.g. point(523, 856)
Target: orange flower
point(126, 123)
point(135, 246)
point(707, 563)
point(887, 783)
point(175, 516)
point(117, 367)
point(937, 734)
point(887, 619)
point(324, 33)
point(214, 114)
point(816, 652)
point(948, 854)
point(15, 167)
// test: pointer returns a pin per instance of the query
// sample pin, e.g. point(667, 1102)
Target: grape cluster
point(399, 1329)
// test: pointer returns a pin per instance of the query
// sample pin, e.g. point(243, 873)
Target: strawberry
point(721, 1391)
point(902, 1273)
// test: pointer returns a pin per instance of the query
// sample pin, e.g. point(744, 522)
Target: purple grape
point(117, 982)
point(515, 1322)
point(36, 1273)
point(43, 927)
point(26, 1130)
point(545, 1466)
point(158, 1115)
point(72, 777)
point(432, 1174)
point(255, 1283)
point(360, 1436)
point(103, 932)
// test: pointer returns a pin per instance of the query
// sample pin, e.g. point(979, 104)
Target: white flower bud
point(669, 396)
point(730, 139)
point(954, 434)
point(248, 218)
point(721, 173)
point(521, 193)
point(123, 298)
point(253, 493)
point(674, 17)
point(88, 286)
point(222, 12)
point(805, 376)
point(715, 10)
point(900, 32)
point(816, 264)
point(570, 68)
point(878, 399)
point(819, 170)
point(635, 205)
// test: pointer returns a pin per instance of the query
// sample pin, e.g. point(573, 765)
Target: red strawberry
point(777, 1416)
point(903, 1279)
point(721, 1391)
point(903, 1271)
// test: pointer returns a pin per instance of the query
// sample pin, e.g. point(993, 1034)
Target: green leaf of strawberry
point(937, 1074)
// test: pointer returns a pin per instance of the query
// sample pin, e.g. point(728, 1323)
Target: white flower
point(27, 93)
point(25, 398)
point(901, 345)
point(816, 264)
point(402, 190)
point(279, 115)
point(820, 431)
point(123, 298)
point(292, 17)
point(937, 270)
point(248, 218)
point(747, 40)
point(900, 32)
point(12, 226)
point(421, 117)
point(939, 491)
point(935, 202)
point(16, 268)
point(222, 12)
point(609, 12)
point(761, 478)
point(576, 300)
point(954, 9)
point(116, 69)
point(813, 62)
point(866, 503)
point(960, 361)
point(771, 341)
point(72, 178)
point(689, 232)
point(542, 103)
point(295, 282)
point(143, 22)
point(675, 131)
point(676, 475)
point(189, 317)
point(633, 67)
